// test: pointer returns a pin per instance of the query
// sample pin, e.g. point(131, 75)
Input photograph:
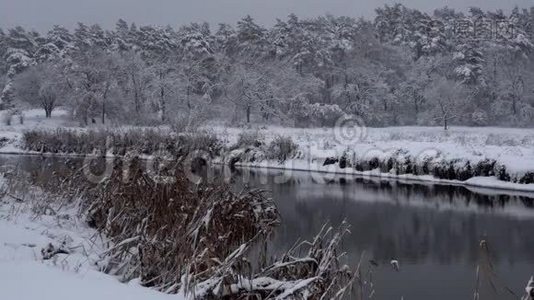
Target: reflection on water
point(433, 230)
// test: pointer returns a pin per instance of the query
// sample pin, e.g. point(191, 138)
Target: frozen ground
point(26, 275)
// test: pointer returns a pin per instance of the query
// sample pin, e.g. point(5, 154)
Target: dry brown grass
point(162, 230)
point(119, 142)
point(199, 239)
point(177, 236)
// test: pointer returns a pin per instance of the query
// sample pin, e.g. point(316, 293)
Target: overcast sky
point(43, 14)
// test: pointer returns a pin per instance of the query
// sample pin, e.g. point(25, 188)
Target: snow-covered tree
point(92, 79)
point(122, 39)
point(385, 70)
point(195, 41)
point(134, 79)
point(448, 101)
point(20, 46)
point(40, 86)
point(469, 62)
point(88, 38)
point(251, 37)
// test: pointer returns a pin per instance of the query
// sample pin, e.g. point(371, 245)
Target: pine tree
point(62, 39)
point(226, 40)
point(279, 35)
point(122, 39)
point(20, 47)
point(251, 37)
point(3, 51)
point(82, 38)
point(388, 23)
point(98, 37)
point(469, 61)
point(195, 41)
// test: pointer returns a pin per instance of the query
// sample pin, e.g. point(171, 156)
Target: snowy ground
point(33, 119)
point(26, 275)
point(511, 147)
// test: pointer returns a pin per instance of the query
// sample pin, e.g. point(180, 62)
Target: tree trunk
point(136, 95)
point(444, 113)
point(248, 113)
point(416, 107)
point(162, 95)
point(162, 103)
point(47, 103)
point(103, 112)
point(188, 100)
point(104, 99)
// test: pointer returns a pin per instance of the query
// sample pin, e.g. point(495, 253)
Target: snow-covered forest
point(330, 157)
point(404, 67)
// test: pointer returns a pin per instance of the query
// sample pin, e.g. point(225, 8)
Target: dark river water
point(434, 231)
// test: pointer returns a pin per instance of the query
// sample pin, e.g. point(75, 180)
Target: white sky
point(43, 14)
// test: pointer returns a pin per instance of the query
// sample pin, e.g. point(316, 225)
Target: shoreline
point(528, 189)
point(485, 183)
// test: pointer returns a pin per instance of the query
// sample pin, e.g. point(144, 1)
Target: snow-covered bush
point(282, 148)
point(250, 139)
point(300, 111)
point(198, 141)
point(316, 114)
point(326, 114)
point(480, 117)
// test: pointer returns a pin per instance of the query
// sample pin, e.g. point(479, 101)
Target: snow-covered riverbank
point(512, 147)
point(328, 173)
point(500, 158)
point(29, 270)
